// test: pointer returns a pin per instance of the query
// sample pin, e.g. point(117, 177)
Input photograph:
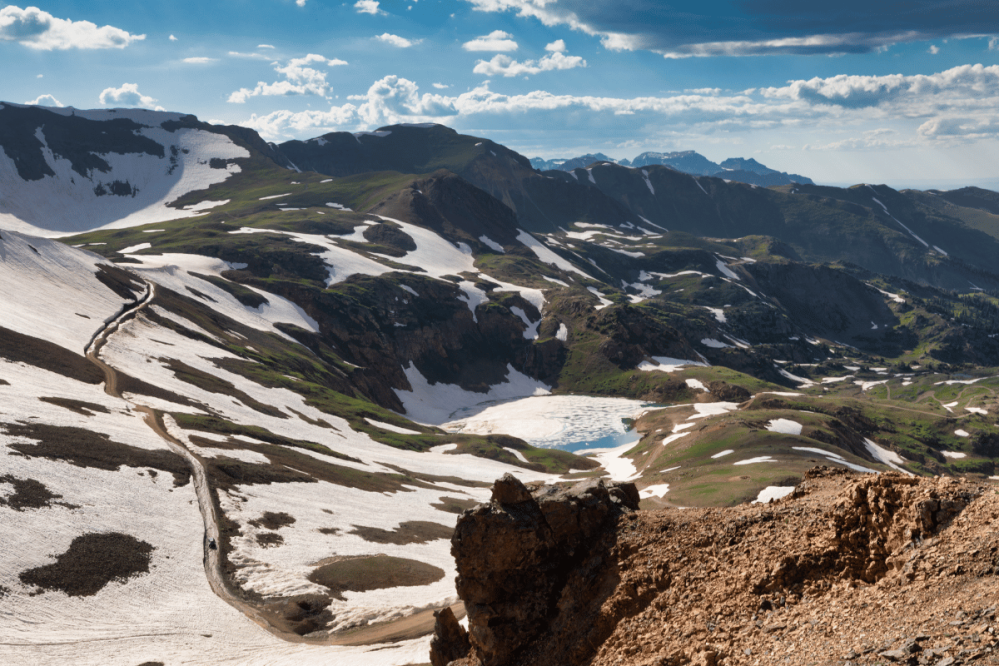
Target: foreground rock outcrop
point(850, 568)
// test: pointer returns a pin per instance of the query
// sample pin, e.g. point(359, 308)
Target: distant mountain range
point(739, 169)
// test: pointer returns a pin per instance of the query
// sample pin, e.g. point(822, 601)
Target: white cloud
point(251, 56)
point(40, 76)
point(994, 44)
point(964, 129)
point(558, 46)
point(844, 113)
point(964, 82)
point(504, 65)
point(40, 30)
point(933, 49)
point(441, 86)
point(264, 46)
point(200, 60)
point(172, 38)
point(128, 95)
point(45, 100)
point(301, 78)
point(367, 7)
point(300, 3)
point(397, 41)
point(497, 40)
point(394, 99)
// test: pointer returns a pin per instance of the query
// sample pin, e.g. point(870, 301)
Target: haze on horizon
point(841, 92)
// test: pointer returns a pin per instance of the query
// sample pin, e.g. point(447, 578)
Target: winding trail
point(413, 626)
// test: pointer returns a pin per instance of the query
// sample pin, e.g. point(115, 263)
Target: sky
point(903, 92)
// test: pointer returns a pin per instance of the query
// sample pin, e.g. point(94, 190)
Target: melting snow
point(784, 426)
point(491, 244)
point(962, 433)
point(753, 461)
point(657, 490)
point(889, 458)
point(954, 454)
point(604, 302)
point(667, 364)
point(563, 333)
point(773, 493)
point(392, 428)
point(724, 453)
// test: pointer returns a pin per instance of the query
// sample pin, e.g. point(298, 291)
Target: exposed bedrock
point(527, 562)
point(578, 577)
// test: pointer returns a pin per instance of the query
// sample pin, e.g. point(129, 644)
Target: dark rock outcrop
point(450, 641)
point(515, 557)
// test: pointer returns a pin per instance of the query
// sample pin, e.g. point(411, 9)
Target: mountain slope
point(65, 172)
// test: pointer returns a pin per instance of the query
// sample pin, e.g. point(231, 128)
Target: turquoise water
point(606, 442)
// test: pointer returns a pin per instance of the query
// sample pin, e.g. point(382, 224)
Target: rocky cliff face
point(523, 560)
point(848, 569)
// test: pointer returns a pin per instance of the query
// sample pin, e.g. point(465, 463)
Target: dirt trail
point(413, 626)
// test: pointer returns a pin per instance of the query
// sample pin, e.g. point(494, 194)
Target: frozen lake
point(569, 422)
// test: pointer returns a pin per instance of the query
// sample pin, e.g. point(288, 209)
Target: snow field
point(753, 461)
point(667, 364)
point(284, 569)
point(435, 255)
point(836, 458)
point(954, 454)
point(658, 490)
point(66, 203)
point(169, 613)
point(889, 458)
point(45, 289)
point(392, 428)
point(784, 426)
point(173, 271)
point(773, 493)
point(437, 404)
point(962, 433)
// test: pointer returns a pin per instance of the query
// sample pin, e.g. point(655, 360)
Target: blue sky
point(899, 92)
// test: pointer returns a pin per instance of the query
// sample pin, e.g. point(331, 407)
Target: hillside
point(264, 381)
point(850, 569)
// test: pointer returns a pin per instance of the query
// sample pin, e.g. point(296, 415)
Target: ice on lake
point(569, 422)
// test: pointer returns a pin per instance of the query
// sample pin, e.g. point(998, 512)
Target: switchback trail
point(413, 626)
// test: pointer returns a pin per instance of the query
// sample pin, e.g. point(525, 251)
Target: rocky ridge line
point(850, 569)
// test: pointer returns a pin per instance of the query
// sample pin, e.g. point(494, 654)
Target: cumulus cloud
point(396, 40)
point(558, 46)
point(504, 65)
point(367, 7)
point(39, 30)
point(128, 95)
point(960, 128)
point(441, 86)
point(172, 38)
point(757, 27)
point(300, 78)
point(45, 100)
point(934, 49)
point(497, 40)
point(849, 91)
point(199, 60)
point(394, 99)
point(948, 107)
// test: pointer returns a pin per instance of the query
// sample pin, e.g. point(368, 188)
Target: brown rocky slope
point(850, 569)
